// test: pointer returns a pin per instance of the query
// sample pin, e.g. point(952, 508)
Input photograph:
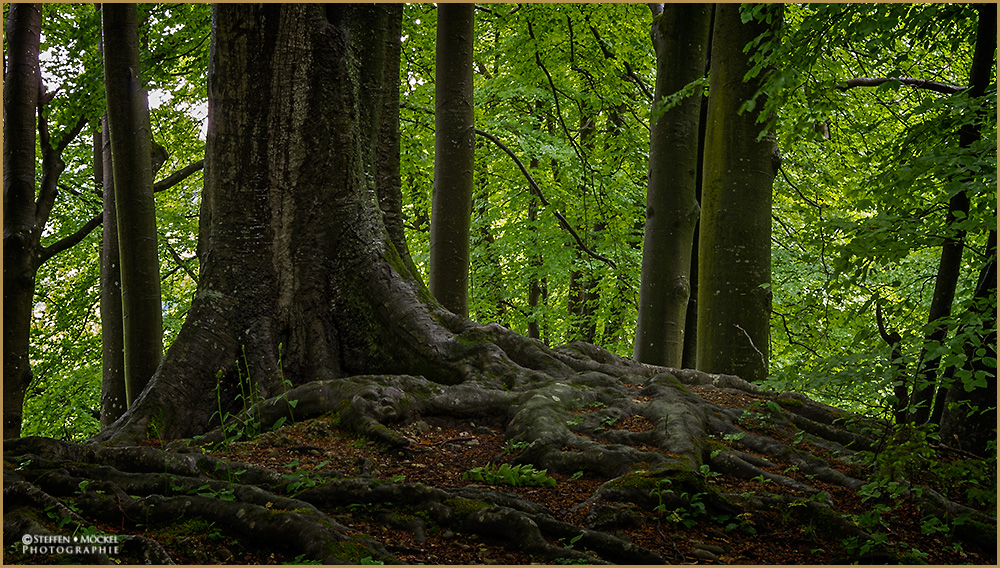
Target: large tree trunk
point(454, 154)
point(131, 148)
point(680, 37)
point(20, 99)
point(734, 251)
point(295, 250)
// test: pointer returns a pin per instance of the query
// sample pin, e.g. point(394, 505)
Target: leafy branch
point(538, 193)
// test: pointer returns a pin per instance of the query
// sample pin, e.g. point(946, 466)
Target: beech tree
point(454, 155)
point(25, 215)
point(734, 262)
point(305, 305)
point(926, 380)
point(114, 399)
point(680, 35)
point(131, 151)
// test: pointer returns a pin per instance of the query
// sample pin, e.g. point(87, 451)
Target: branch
point(52, 167)
point(69, 241)
point(181, 263)
point(178, 176)
point(890, 337)
point(781, 169)
point(916, 83)
point(71, 134)
point(538, 193)
point(791, 338)
point(638, 81)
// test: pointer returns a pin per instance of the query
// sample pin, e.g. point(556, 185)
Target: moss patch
point(462, 507)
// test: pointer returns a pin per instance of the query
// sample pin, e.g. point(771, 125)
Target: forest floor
point(443, 450)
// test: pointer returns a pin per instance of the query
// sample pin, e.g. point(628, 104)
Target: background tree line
point(881, 287)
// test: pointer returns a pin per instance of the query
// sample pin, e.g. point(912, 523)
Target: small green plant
point(510, 446)
point(682, 515)
point(302, 480)
point(368, 560)
point(285, 385)
point(506, 474)
point(577, 475)
point(575, 422)
point(607, 422)
point(301, 559)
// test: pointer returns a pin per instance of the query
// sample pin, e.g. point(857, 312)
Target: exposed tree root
point(562, 406)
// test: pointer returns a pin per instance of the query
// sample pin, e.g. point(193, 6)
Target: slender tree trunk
point(26, 215)
point(950, 266)
point(680, 37)
point(487, 276)
point(113, 398)
point(454, 152)
point(390, 193)
point(734, 249)
point(131, 149)
point(689, 359)
point(969, 417)
point(20, 231)
point(583, 298)
point(537, 289)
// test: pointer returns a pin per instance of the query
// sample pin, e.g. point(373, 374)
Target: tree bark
point(969, 416)
point(295, 248)
point(113, 397)
point(680, 37)
point(454, 152)
point(20, 231)
point(950, 265)
point(131, 149)
point(389, 188)
point(537, 284)
point(689, 359)
point(25, 215)
point(734, 249)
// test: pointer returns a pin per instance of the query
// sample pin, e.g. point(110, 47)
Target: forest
point(500, 283)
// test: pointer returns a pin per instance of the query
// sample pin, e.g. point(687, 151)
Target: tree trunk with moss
point(680, 37)
point(135, 210)
point(734, 249)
